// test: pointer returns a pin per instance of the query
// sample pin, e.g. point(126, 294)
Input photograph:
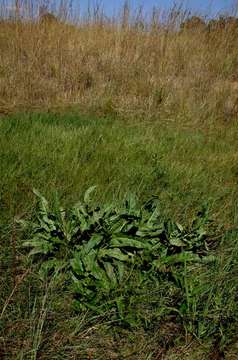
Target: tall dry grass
point(125, 65)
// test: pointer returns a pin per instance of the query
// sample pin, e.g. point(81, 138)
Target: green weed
point(112, 257)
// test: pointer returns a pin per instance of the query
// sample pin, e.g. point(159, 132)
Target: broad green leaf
point(118, 227)
point(104, 283)
point(120, 271)
point(113, 253)
point(76, 264)
point(87, 195)
point(97, 272)
point(25, 224)
point(178, 258)
point(177, 242)
point(95, 240)
point(38, 247)
point(149, 234)
point(79, 210)
point(120, 307)
point(89, 259)
point(131, 202)
point(43, 202)
point(180, 227)
point(128, 242)
point(209, 259)
point(110, 273)
point(79, 288)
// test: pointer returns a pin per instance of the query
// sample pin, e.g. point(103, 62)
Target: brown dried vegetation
point(118, 67)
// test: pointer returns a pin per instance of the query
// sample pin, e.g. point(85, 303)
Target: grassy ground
point(64, 154)
point(164, 105)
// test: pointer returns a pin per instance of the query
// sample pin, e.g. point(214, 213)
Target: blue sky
point(200, 6)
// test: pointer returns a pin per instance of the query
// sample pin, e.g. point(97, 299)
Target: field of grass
point(131, 66)
point(62, 155)
point(131, 105)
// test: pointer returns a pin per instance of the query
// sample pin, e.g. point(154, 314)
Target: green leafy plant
point(116, 256)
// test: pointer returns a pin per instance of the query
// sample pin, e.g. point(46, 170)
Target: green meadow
point(187, 168)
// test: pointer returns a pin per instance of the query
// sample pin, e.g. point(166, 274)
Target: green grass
point(61, 156)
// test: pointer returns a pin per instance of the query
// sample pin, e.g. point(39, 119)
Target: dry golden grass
point(111, 69)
